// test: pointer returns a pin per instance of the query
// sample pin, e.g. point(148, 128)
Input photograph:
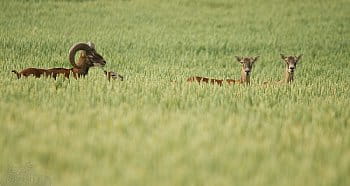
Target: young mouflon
point(291, 63)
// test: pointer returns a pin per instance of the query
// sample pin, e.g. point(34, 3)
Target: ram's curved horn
point(74, 49)
point(91, 44)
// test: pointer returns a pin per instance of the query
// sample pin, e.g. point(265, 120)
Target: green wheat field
point(154, 128)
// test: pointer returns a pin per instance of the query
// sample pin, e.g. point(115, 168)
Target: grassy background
point(148, 131)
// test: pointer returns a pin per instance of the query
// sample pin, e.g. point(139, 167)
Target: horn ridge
point(74, 49)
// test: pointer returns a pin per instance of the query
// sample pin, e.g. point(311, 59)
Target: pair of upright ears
point(295, 57)
point(251, 59)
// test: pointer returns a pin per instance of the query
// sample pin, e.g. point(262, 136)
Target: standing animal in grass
point(291, 63)
point(247, 66)
point(88, 58)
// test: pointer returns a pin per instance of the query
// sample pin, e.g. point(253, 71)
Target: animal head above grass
point(88, 56)
point(291, 62)
point(247, 63)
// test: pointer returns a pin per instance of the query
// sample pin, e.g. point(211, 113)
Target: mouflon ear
point(299, 57)
point(238, 58)
point(282, 56)
point(255, 58)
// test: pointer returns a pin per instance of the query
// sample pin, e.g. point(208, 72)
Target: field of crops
point(154, 128)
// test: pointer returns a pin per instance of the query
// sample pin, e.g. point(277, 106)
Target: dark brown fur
point(37, 72)
point(247, 65)
point(52, 72)
point(211, 81)
point(204, 80)
point(113, 75)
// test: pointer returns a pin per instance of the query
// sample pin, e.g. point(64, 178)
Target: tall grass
point(156, 129)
